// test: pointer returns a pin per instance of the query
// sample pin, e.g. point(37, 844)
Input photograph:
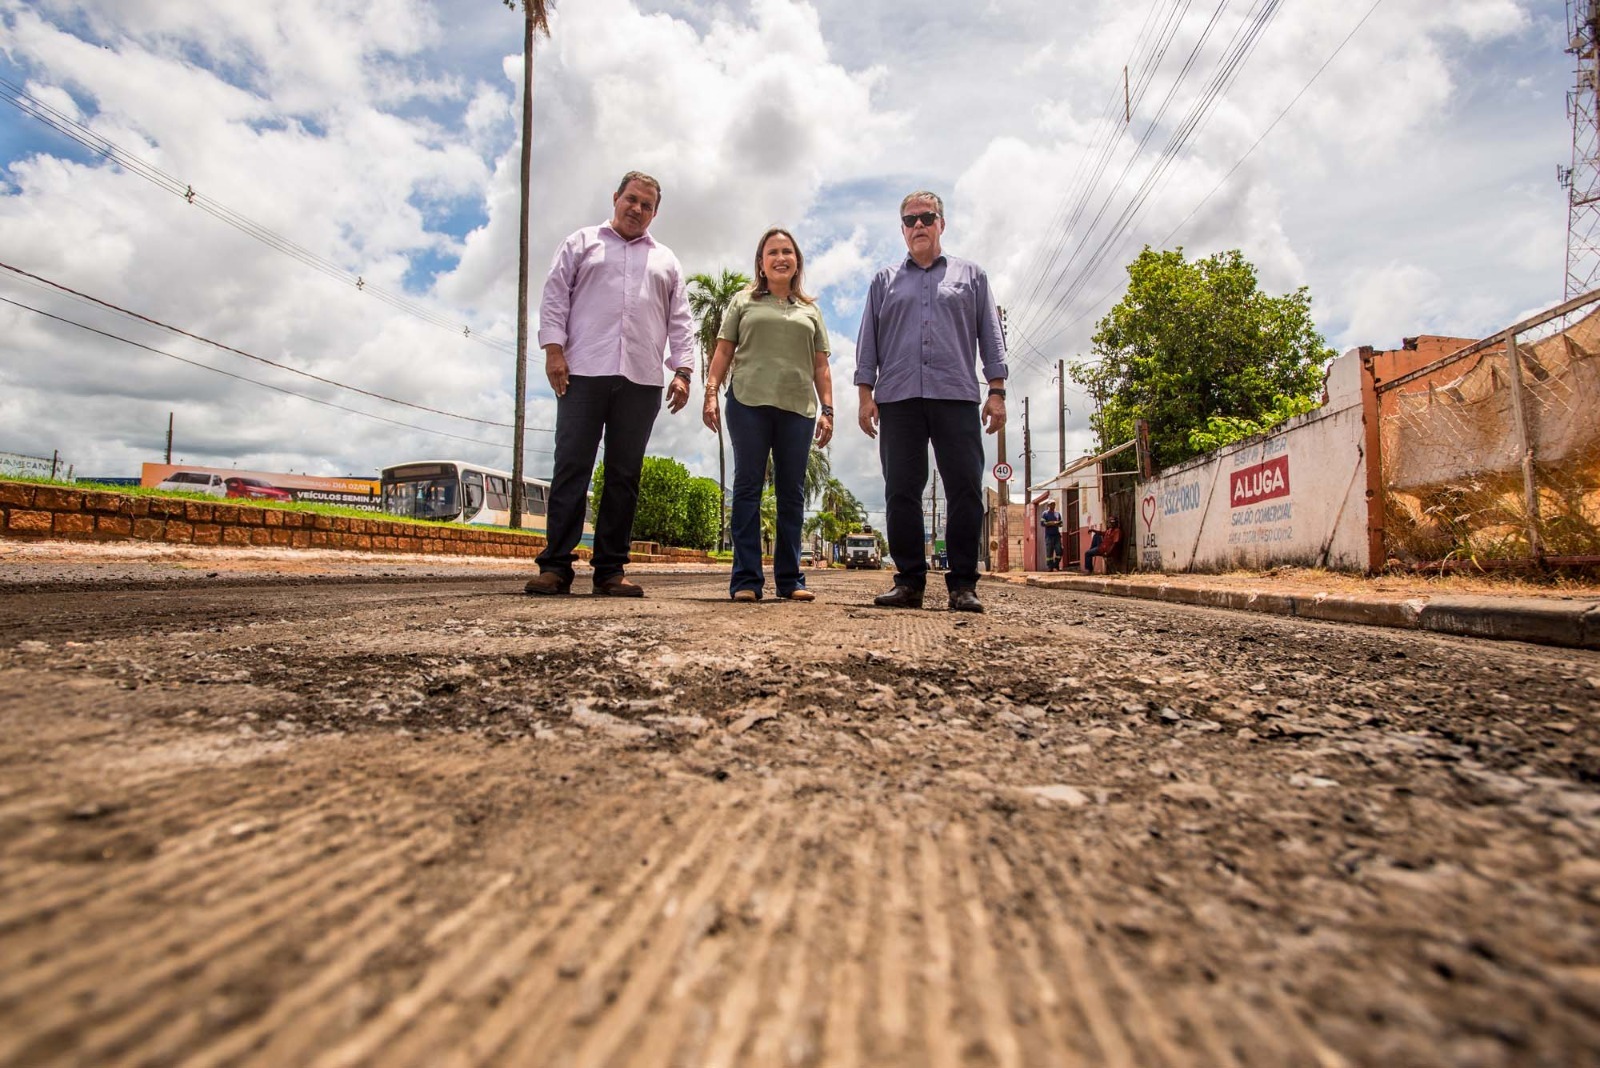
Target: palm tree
point(536, 20)
point(819, 472)
point(708, 299)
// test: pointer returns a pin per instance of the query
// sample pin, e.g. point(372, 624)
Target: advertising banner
point(229, 482)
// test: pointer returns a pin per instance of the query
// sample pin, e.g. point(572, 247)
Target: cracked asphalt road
point(407, 815)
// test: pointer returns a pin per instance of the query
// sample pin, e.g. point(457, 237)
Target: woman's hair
point(759, 287)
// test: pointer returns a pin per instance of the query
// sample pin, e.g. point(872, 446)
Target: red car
point(255, 488)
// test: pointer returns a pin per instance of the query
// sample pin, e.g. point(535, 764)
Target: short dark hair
point(640, 176)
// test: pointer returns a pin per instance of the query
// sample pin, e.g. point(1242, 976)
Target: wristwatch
point(684, 373)
point(827, 410)
point(996, 391)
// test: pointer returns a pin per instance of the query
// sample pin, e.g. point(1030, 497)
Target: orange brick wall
point(32, 511)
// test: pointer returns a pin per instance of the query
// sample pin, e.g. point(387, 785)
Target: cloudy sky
point(1412, 188)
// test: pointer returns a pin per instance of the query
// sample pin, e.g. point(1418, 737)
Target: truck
point(861, 550)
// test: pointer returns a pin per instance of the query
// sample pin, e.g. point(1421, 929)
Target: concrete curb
point(1571, 624)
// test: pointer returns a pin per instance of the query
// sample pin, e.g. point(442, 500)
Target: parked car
point(861, 550)
point(255, 489)
point(194, 482)
point(808, 558)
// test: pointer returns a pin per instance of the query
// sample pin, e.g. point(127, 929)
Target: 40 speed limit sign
point(1002, 471)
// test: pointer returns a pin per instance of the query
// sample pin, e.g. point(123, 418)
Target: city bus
point(452, 491)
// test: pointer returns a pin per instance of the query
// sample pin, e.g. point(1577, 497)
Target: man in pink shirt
point(615, 310)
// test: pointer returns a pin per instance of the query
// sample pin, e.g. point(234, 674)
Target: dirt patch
point(433, 821)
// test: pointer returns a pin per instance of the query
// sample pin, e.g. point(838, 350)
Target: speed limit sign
point(1002, 471)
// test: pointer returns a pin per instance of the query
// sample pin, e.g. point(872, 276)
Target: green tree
point(769, 516)
point(535, 20)
point(1193, 342)
point(674, 507)
point(708, 299)
point(819, 470)
point(839, 513)
point(702, 515)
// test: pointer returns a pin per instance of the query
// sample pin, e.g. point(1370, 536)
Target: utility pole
point(1027, 455)
point(1061, 412)
point(169, 437)
point(934, 524)
point(1003, 556)
point(1582, 179)
point(530, 20)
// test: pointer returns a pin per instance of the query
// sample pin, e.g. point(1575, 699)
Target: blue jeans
point(757, 433)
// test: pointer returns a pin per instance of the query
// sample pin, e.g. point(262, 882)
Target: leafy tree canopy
point(675, 508)
point(1201, 352)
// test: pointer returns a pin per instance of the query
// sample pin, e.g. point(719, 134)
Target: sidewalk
point(1565, 614)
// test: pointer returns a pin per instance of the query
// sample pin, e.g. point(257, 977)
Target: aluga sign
point(1260, 482)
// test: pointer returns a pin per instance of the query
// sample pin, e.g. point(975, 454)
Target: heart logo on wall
point(1148, 507)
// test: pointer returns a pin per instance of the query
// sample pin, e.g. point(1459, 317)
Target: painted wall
point(1296, 496)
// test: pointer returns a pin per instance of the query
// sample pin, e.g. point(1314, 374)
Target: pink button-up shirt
point(615, 306)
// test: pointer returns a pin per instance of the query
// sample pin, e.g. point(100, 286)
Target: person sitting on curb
point(1106, 545)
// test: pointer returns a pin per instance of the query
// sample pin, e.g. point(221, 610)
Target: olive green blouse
point(775, 342)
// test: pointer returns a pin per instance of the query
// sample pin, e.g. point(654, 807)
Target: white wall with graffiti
point(1296, 496)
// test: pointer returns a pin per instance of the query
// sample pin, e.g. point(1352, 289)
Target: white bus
point(451, 491)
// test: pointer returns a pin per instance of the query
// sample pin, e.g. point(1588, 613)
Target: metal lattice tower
point(1582, 179)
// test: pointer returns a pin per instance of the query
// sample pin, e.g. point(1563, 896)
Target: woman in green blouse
point(772, 354)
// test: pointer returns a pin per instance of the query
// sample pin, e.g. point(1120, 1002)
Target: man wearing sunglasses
point(930, 323)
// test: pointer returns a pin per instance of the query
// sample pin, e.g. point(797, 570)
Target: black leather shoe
point(965, 601)
point(548, 584)
point(899, 597)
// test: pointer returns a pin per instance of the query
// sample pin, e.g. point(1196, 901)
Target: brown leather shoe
point(618, 587)
point(899, 597)
point(548, 584)
point(801, 594)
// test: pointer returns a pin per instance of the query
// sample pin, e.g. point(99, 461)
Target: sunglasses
point(927, 218)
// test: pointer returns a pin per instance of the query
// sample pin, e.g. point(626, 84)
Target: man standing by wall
point(614, 303)
point(1050, 519)
point(928, 320)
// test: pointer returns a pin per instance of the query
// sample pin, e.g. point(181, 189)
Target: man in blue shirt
point(1050, 519)
point(929, 323)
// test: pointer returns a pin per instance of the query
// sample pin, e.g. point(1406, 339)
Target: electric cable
point(259, 359)
point(257, 382)
point(64, 124)
point(1223, 181)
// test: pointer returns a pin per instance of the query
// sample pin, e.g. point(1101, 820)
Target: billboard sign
point(229, 482)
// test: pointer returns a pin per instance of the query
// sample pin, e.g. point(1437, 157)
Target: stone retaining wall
point(35, 511)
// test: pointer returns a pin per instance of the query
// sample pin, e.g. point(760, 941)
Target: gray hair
point(645, 179)
point(923, 194)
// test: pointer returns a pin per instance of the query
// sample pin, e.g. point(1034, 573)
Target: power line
point(64, 124)
point(253, 381)
point(1237, 51)
point(1097, 302)
point(251, 356)
point(1087, 177)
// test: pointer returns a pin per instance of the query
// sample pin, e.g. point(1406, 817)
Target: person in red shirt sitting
point(1107, 545)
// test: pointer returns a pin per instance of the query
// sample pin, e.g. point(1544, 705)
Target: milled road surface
point(404, 819)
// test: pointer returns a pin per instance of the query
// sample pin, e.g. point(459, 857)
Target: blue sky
point(1412, 188)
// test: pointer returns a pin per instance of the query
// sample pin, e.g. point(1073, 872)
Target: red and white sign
point(1002, 471)
point(1261, 482)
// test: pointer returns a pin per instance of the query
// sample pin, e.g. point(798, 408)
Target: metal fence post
point(1530, 485)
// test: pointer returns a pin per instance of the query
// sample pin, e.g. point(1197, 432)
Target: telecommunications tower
point(1582, 179)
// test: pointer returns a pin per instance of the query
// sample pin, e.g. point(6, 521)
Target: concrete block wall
point(61, 512)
